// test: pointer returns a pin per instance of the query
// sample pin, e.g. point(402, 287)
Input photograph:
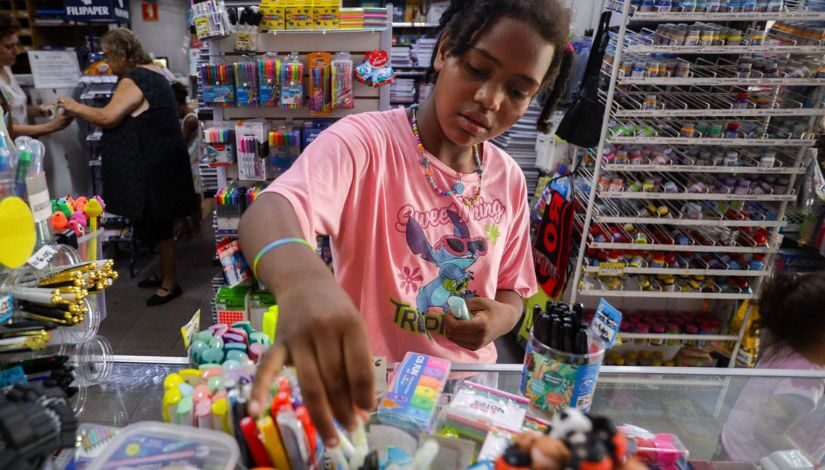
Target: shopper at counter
point(20, 111)
point(146, 175)
point(773, 414)
point(420, 206)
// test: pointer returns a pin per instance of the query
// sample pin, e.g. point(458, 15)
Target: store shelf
point(720, 81)
point(284, 32)
point(687, 222)
point(802, 15)
point(697, 196)
point(406, 24)
point(705, 169)
point(677, 337)
point(682, 248)
point(663, 295)
point(736, 113)
point(639, 140)
point(684, 272)
point(716, 50)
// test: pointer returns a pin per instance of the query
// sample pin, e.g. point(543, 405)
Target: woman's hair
point(181, 92)
point(464, 20)
point(791, 311)
point(8, 25)
point(125, 43)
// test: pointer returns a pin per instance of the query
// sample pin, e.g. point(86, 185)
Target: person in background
point(19, 110)
point(193, 136)
point(146, 173)
point(784, 414)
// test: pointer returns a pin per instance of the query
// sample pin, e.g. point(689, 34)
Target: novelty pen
point(184, 412)
point(256, 448)
point(169, 404)
point(220, 416)
point(203, 414)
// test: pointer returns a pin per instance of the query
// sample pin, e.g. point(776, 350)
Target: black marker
point(568, 337)
point(581, 342)
point(555, 340)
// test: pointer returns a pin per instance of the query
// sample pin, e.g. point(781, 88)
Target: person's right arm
point(320, 330)
point(127, 99)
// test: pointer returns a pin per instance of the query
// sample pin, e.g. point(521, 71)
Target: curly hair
point(125, 43)
point(464, 20)
point(8, 25)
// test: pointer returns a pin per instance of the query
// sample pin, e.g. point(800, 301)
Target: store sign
point(97, 10)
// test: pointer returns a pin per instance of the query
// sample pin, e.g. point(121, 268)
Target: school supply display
point(284, 149)
point(252, 139)
point(342, 70)
point(218, 84)
point(320, 85)
point(210, 19)
point(219, 143)
point(243, 22)
point(246, 83)
point(269, 92)
point(292, 82)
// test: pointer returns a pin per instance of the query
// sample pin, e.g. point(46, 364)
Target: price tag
point(606, 323)
point(244, 42)
point(229, 223)
point(42, 257)
point(379, 365)
point(39, 201)
point(191, 327)
point(611, 268)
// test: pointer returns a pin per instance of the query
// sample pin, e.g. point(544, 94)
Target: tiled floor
point(134, 329)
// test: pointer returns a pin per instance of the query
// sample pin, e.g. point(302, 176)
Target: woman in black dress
point(146, 172)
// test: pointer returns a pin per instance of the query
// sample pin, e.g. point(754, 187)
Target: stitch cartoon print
point(453, 255)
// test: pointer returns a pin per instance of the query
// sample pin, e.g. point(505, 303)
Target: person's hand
point(68, 104)
point(490, 319)
point(60, 122)
point(325, 339)
point(42, 110)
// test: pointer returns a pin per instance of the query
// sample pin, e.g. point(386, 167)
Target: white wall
point(165, 37)
point(585, 14)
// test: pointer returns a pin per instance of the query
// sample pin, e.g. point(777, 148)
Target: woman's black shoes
point(156, 299)
point(150, 282)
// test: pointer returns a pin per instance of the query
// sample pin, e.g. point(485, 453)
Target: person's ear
point(441, 55)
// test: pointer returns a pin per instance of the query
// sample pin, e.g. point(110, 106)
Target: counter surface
point(692, 403)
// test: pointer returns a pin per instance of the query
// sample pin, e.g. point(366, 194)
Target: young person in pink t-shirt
point(784, 414)
point(419, 206)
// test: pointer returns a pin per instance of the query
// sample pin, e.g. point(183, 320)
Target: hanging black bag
point(582, 124)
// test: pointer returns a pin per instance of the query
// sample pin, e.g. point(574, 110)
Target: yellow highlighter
point(272, 443)
point(221, 419)
point(191, 376)
point(271, 322)
point(169, 405)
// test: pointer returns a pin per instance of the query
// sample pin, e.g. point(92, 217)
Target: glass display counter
point(693, 403)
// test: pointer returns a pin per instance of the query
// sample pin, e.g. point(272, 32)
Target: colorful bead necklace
point(458, 187)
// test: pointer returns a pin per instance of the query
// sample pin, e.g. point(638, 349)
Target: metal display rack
point(650, 111)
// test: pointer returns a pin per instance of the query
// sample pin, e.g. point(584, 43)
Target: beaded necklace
point(458, 187)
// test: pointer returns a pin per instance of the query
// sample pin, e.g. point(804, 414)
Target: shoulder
point(375, 129)
point(503, 165)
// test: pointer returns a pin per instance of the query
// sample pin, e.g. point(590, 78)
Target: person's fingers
point(474, 304)
point(360, 375)
point(272, 363)
point(313, 391)
point(329, 349)
point(634, 464)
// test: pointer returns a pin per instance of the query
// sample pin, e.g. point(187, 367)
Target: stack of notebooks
point(375, 18)
point(520, 143)
point(423, 51)
point(400, 57)
point(352, 18)
point(402, 91)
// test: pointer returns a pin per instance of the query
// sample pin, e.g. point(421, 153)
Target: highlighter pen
point(272, 443)
point(184, 412)
point(220, 416)
point(169, 404)
point(203, 414)
point(256, 448)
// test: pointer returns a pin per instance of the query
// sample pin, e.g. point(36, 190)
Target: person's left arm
point(516, 280)
point(127, 99)
point(190, 129)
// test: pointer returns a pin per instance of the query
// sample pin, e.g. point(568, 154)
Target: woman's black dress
point(145, 166)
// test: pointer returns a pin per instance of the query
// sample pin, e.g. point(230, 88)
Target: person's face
point(9, 48)
point(116, 61)
point(482, 93)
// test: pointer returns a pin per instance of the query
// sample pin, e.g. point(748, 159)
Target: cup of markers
point(562, 359)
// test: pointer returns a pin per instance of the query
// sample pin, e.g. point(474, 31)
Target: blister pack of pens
point(219, 145)
point(210, 19)
point(268, 80)
point(320, 85)
point(246, 83)
point(292, 82)
point(284, 149)
point(218, 84)
point(342, 93)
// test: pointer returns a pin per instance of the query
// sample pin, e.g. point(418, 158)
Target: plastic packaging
point(412, 398)
point(476, 409)
point(663, 451)
point(150, 445)
point(292, 82)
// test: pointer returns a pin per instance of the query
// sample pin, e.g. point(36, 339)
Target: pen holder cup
point(553, 380)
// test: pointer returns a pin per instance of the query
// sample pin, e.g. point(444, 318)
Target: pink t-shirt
point(400, 249)
point(757, 406)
